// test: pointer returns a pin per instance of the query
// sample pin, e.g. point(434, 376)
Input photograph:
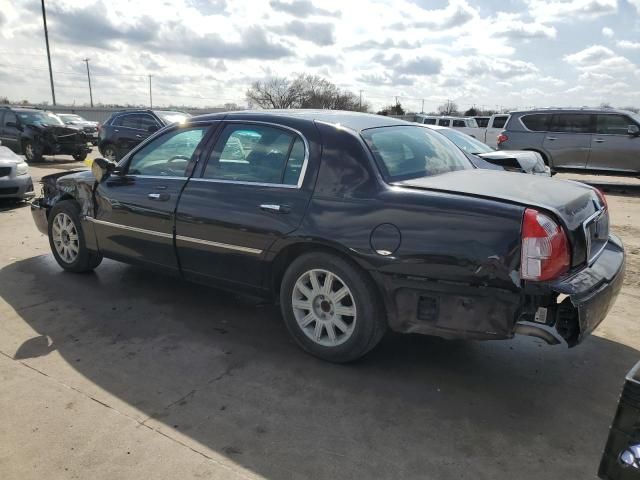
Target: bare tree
point(448, 108)
point(275, 92)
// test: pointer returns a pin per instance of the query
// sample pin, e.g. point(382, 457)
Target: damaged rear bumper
point(591, 293)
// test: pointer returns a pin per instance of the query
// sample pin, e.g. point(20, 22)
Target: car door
point(10, 132)
point(135, 207)
point(568, 141)
point(249, 194)
point(612, 147)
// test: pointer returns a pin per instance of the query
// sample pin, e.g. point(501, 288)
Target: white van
point(467, 125)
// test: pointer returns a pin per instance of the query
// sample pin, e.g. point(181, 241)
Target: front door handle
point(552, 138)
point(599, 140)
point(269, 207)
point(160, 197)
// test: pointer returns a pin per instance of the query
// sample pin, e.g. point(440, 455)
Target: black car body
point(124, 130)
point(621, 457)
point(35, 133)
point(88, 127)
point(438, 251)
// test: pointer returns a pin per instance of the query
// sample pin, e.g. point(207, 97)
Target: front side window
point(613, 124)
point(167, 155)
point(465, 142)
point(132, 120)
point(410, 152)
point(444, 122)
point(458, 123)
point(429, 121)
point(538, 122)
point(257, 154)
point(571, 123)
point(10, 117)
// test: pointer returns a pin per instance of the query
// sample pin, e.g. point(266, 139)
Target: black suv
point(35, 133)
point(124, 130)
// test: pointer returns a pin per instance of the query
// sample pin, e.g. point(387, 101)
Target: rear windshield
point(405, 152)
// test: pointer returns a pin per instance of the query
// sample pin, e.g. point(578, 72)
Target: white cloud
point(592, 55)
point(569, 10)
point(511, 26)
point(607, 32)
point(629, 45)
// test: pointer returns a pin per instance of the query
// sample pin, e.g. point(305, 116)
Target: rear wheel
point(331, 308)
point(67, 241)
point(80, 156)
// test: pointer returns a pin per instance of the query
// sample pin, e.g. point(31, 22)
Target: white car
point(467, 125)
point(15, 181)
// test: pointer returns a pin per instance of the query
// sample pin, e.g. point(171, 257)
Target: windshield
point(636, 117)
point(465, 142)
point(44, 118)
point(405, 152)
point(172, 117)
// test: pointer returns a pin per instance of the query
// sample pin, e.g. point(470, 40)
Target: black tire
point(369, 324)
point(32, 153)
point(85, 260)
point(80, 156)
point(109, 152)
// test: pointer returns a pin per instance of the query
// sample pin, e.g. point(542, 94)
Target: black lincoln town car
point(354, 223)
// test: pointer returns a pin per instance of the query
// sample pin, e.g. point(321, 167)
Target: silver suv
point(591, 139)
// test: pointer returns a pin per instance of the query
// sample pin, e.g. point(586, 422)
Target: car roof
point(352, 120)
point(571, 110)
point(22, 109)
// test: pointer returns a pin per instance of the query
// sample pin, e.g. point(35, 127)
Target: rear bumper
point(17, 187)
point(591, 293)
point(39, 214)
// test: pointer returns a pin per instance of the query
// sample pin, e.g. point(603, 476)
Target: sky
point(491, 54)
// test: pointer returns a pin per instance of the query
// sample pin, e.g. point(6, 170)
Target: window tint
point(133, 120)
point(411, 152)
point(10, 117)
point(498, 122)
point(458, 123)
point(147, 121)
point(429, 121)
point(571, 122)
point(167, 155)
point(613, 124)
point(444, 122)
point(482, 122)
point(538, 122)
point(256, 153)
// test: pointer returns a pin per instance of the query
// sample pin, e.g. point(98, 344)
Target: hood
point(7, 157)
point(571, 202)
point(529, 162)
point(84, 124)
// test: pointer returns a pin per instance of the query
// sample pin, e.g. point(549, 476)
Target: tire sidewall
point(72, 209)
point(367, 307)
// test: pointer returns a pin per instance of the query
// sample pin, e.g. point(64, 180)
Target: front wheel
point(80, 156)
point(67, 241)
point(331, 308)
point(109, 152)
point(31, 152)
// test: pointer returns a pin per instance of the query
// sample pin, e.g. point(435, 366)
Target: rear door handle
point(160, 197)
point(599, 140)
point(552, 138)
point(270, 207)
point(138, 136)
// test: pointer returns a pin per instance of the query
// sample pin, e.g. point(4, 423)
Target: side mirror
point(101, 167)
point(633, 130)
point(152, 128)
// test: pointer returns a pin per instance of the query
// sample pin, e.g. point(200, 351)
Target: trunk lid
point(575, 204)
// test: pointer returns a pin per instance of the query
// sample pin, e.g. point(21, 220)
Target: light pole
point(46, 39)
point(86, 60)
point(150, 94)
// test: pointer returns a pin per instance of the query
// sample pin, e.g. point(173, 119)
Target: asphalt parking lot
point(127, 372)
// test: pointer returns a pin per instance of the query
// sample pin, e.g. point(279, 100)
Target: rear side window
point(571, 123)
point(538, 122)
point(429, 121)
point(444, 122)
point(257, 154)
point(412, 152)
point(458, 123)
point(613, 124)
point(498, 122)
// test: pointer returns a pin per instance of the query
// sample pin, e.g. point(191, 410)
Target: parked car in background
point(495, 125)
point(89, 127)
point(602, 140)
point(511, 160)
point(354, 223)
point(124, 130)
point(15, 181)
point(34, 133)
point(467, 125)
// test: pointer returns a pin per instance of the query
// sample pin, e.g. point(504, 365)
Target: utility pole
point(86, 60)
point(422, 111)
point(360, 104)
point(150, 94)
point(46, 39)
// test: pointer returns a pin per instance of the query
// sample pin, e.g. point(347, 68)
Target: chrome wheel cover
point(110, 154)
point(28, 151)
point(65, 237)
point(324, 307)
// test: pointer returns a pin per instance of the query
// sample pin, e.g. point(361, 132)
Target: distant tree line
point(303, 91)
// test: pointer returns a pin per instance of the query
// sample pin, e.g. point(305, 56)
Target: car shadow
point(222, 371)
point(12, 204)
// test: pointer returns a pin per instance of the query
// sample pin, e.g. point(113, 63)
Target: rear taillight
point(502, 138)
point(545, 248)
point(603, 199)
